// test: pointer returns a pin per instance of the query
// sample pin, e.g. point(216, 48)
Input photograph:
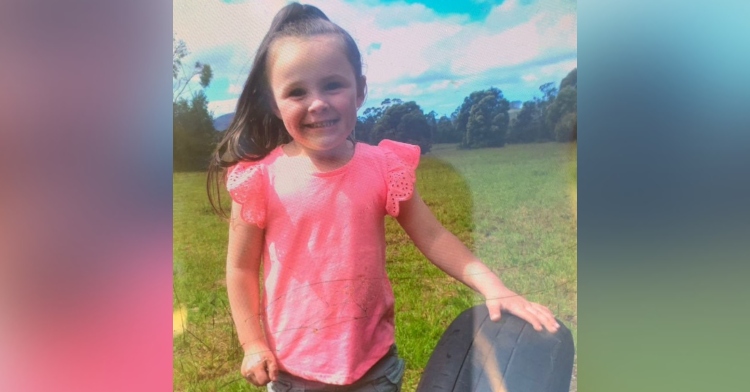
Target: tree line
point(484, 118)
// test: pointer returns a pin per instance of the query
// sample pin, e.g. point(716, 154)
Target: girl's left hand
point(535, 314)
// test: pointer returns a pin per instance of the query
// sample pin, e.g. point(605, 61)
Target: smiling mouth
point(322, 124)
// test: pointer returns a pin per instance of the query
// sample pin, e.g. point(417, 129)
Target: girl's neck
point(321, 161)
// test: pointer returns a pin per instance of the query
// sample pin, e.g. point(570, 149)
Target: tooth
point(322, 124)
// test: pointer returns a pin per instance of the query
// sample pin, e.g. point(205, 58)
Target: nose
point(318, 104)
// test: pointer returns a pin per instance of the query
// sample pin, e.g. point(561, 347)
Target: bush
point(565, 130)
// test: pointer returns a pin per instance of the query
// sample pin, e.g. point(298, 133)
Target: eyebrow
point(325, 79)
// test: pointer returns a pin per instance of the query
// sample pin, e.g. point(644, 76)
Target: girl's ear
point(361, 91)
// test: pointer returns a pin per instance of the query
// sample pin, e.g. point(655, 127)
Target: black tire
point(476, 354)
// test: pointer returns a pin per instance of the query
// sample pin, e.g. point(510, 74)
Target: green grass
point(513, 206)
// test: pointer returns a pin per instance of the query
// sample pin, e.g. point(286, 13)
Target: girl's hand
point(259, 367)
point(535, 314)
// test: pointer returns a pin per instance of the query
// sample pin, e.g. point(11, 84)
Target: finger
point(552, 326)
point(542, 308)
point(528, 314)
point(525, 313)
point(247, 374)
point(273, 369)
point(257, 374)
point(547, 317)
point(251, 379)
point(261, 376)
point(494, 312)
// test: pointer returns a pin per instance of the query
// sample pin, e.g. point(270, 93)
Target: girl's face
point(315, 92)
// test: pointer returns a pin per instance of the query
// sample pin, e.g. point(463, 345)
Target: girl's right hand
point(259, 367)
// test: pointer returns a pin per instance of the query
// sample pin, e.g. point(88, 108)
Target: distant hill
point(222, 122)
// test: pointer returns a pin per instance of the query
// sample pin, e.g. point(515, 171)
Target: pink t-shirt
point(328, 304)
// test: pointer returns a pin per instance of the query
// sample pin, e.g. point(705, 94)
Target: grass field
point(513, 206)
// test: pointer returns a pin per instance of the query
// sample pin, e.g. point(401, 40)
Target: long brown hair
point(255, 130)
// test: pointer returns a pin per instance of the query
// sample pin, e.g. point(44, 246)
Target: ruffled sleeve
point(246, 186)
point(402, 160)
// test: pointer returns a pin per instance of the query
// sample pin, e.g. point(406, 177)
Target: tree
point(366, 122)
point(565, 130)
point(364, 126)
point(570, 80)
point(432, 121)
point(564, 103)
point(445, 132)
point(546, 129)
point(181, 77)
point(527, 125)
point(549, 90)
point(404, 122)
point(483, 119)
point(194, 136)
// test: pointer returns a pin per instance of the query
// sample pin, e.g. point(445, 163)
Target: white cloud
point(509, 48)
point(566, 32)
point(408, 51)
point(444, 84)
point(222, 107)
point(406, 36)
point(437, 86)
point(506, 7)
point(408, 90)
point(401, 43)
point(544, 33)
point(562, 67)
point(235, 88)
point(235, 29)
point(205, 25)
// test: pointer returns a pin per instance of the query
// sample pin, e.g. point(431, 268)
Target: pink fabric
point(328, 302)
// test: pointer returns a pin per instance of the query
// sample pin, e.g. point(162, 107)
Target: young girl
point(310, 203)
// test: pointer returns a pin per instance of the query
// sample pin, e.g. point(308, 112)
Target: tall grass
point(513, 206)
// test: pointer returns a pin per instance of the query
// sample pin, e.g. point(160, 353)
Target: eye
point(333, 85)
point(297, 92)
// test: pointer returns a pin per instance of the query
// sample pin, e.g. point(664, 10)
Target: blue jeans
point(385, 376)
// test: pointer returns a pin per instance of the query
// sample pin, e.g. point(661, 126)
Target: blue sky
point(431, 52)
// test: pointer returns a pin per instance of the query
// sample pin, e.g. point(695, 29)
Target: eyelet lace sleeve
point(402, 160)
point(246, 186)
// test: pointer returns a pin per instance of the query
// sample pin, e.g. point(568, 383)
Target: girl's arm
point(243, 269)
point(450, 255)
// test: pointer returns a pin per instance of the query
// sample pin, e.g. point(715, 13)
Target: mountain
point(222, 122)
